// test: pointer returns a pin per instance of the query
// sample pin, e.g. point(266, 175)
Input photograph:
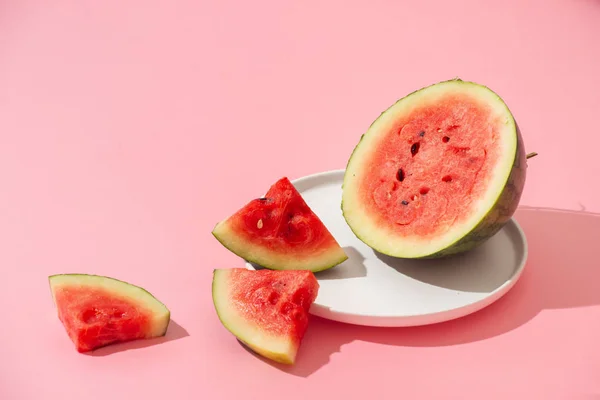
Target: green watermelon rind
point(336, 256)
point(247, 333)
point(498, 215)
point(155, 306)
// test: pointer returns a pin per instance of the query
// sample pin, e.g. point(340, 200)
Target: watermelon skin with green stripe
point(508, 176)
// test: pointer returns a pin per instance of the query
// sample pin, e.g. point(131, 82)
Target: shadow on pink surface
point(174, 332)
point(561, 272)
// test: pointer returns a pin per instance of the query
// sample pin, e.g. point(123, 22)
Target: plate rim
point(419, 319)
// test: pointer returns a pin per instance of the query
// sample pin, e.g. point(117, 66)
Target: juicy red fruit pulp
point(95, 318)
point(276, 301)
point(424, 174)
point(283, 222)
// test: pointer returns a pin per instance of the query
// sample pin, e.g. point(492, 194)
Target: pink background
point(128, 129)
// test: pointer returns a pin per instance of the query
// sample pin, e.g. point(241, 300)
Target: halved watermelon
point(97, 311)
point(280, 231)
point(438, 173)
point(266, 310)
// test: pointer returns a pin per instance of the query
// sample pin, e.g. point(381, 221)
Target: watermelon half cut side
point(279, 231)
point(266, 310)
point(438, 173)
point(97, 311)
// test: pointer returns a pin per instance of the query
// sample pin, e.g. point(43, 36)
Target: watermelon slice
point(266, 310)
point(438, 173)
point(281, 232)
point(97, 311)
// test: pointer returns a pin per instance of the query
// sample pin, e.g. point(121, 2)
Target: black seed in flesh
point(414, 149)
point(404, 202)
point(445, 139)
point(400, 175)
point(422, 133)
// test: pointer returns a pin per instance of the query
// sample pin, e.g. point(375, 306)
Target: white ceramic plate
point(376, 290)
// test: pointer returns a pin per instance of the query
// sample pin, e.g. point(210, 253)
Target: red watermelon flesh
point(433, 162)
point(280, 231)
point(98, 311)
point(266, 310)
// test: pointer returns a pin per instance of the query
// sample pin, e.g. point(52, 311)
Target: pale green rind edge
point(268, 264)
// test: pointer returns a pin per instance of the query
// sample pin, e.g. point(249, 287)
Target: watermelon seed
point(424, 191)
point(447, 178)
point(400, 175)
point(414, 149)
point(259, 224)
point(404, 202)
point(422, 133)
point(445, 139)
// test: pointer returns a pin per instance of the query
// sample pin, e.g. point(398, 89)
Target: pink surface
point(129, 128)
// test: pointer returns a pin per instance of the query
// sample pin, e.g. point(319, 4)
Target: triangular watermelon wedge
point(98, 311)
point(266, 310)
point(281, 232)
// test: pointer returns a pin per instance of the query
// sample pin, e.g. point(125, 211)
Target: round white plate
point(372, 289)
